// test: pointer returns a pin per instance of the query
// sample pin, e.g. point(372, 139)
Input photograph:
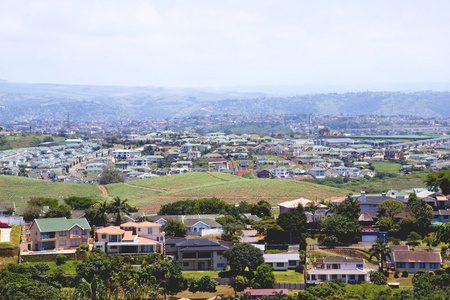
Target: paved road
point(249, 236)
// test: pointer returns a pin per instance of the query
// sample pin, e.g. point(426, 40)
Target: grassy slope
point(20, 189)
point(386, 167)
point(19, 141)
point(149, 194)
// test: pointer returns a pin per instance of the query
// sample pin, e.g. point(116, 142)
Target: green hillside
point(21, 189)
point(149, 194)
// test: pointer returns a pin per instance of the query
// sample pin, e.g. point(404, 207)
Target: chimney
point(363, 196)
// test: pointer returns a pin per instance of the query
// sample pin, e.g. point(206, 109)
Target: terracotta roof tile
point(110, 230)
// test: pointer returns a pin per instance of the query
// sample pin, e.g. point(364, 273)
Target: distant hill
point(150, 194)
point(49, 101)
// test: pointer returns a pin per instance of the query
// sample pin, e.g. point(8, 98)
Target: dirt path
point(104, 190)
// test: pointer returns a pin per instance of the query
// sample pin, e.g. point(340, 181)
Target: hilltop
point(150, 194)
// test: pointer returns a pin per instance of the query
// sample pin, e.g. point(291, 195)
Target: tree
point(377, 278)
point(118, 207)
point(148, 150)
point(175, 228)
point(295, 223)
point(232, 231)
point(261, 209)
point(264, 277)
point(97, 214)
point(169, 276)
point(345, 229)
point(47, 139)
point(440, 180)
point(381, 251)
point(442, 234)
point(204, 284)
point(413, 238)
point(59, 212)
point(244, 255)
point(422, 213)
point(349, 208)
point(385, 223)
point(391, 207)
point(111, 175)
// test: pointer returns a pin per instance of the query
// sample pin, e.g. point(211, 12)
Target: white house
point(282, 262)
point(329, 268)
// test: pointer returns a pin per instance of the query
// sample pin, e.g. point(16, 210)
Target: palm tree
point(381, 251)
point(119, 206)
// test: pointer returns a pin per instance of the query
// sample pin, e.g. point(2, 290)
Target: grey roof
point(207, 248)
point(332, 260)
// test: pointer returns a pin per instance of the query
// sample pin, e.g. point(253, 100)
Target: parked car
point(5, 225)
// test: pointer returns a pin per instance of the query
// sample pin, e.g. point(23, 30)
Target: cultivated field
point(150, 194)
point(21, 189)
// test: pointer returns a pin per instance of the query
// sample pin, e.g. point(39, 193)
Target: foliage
point(192, 207)
point(381, 251)
point(261, 209)
point(204, 284)
point(345, 229)
point(440, 179)
point(148, 150)
point(168, 275)
point(442, 234)
point(244, 255)
point(294, 222)
point(80, 203)
point(59, 212)
point(377, 278)
point(422, 212)
point(264, 277)
point(405, 273)
point(61, 259)
point(413, 239)
point(385, 223)
point(391, 207)
point(111, 175)
point(240, 283)
point(119, 207)
point(175, 228)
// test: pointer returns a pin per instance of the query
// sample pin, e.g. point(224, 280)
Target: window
point(411, 265)
point(400, 265)
point(113, 238)
point(74, 243)
point(292, 263)
point(47, 235)
point(422, 265)
point(220, 266)
point(62, 242)
point(139, 229)
point(76, 232)
point(336, 266)
point(104, 236)
point(150, 231)
point(280, 265)
point(84, 232)
point(62, 233)
point(186, 264)
point(334, 276)
point(113, 247)
point(435, 266)
point(359, 266)
point(344, 276)
point(313, 277)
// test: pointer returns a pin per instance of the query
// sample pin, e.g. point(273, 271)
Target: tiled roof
point(140, 224)
point(399, 247)
point(110, 230)
point(264, 292)
point(61, 224)
point(331, 260)
point(404, 256)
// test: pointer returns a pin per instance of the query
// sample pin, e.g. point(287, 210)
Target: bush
point(405, 273)
point(61, 259)
point(396, 273)
point(83, 248)
point(377, 278)
point(299, 268)
point(241, 283)
point(386, 273)
point(394, 241)
point(439, 271)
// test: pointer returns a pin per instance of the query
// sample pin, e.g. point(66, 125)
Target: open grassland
point(19, 141)
point(21, 189)
point(150, 194)
point(403, 182)
point(386, 167)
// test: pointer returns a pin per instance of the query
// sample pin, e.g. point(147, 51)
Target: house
point(263, 174)
point(255, 294)
point(282, 262)
point(329, 268)
point(288, 206)
point(415, 261)
point(202, 226)
point(201, 254)
point(369, 203)
point(441, 216)
point(57, 234)
point(317, 172)
point(280, 172)
point(130, 238)
point(125, 154)
point(244, 163)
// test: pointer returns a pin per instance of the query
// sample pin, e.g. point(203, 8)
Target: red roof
point(264, 292)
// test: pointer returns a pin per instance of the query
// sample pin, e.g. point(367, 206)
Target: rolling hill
point(150, 194)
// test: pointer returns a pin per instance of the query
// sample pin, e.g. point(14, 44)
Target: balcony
point(75, 236)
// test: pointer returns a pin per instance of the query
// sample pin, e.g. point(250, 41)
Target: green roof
point(61, 224)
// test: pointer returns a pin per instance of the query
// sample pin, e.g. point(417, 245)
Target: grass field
point(150, 194)
point(289, 277)
point(404, 182)
point(69, 267)
point(21, 189)
point(386, 167)
point(19, 141)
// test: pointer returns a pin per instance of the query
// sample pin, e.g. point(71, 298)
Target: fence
point(12, 220)
point(290, 286)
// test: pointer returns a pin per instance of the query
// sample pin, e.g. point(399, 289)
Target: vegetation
point(111, 175)
point(440, 180)
point(242, 256)
point(381, 251)
point(264, 277)
point(175, 228)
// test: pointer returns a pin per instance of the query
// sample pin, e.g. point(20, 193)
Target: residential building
point(130, 238)
point(255, 294)
point(280, 172)
point(201, 254)
point(413, 261)
point(288, 206)
point(282, 262)
point(56, 234)
point(125, 154)
point(329, 268)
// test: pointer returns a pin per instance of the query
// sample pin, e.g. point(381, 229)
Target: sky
point(211, 43)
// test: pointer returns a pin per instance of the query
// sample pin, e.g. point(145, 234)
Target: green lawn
point(200, 274)
point(21, 189)
point(289, 276)
point(69, 267)
point(386, 167)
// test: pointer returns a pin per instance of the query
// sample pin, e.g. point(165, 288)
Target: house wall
point(414, 267)
point(62, 239)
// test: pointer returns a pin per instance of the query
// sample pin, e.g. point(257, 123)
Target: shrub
point(386, 273)
point(394, 241)
point(377, 278)
point(420, 272)
point(299, 268)
point(83, 248)
point(61, 259)
point(405, 273)
point(439, 271)
point(397, 272)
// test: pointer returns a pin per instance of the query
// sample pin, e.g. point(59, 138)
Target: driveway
point(249, 236)
point(5, 234)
